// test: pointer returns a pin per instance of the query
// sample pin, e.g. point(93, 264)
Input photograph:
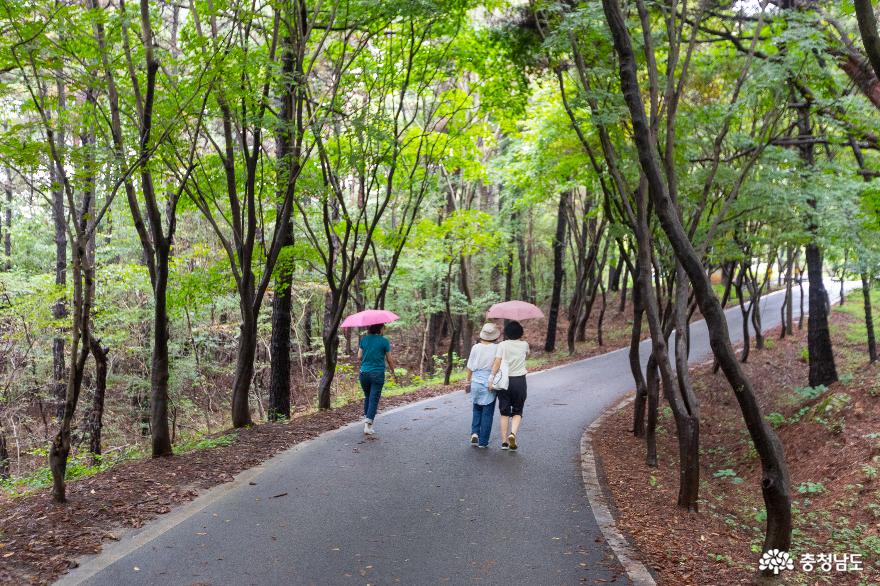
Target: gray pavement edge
point(636, 570)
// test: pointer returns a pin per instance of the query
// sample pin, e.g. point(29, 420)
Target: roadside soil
point(832, 447)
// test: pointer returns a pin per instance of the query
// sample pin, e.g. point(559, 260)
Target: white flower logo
point(775, 560)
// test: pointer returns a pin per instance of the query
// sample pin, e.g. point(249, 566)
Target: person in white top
point(479, 366)
point(513, 352)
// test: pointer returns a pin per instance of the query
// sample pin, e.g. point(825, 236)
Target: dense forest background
point(196, 193)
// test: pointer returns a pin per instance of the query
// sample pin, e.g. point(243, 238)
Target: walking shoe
point(482, 447)
point(504, 446)
point(474, 438)
point(511, 440)
point(368, 429)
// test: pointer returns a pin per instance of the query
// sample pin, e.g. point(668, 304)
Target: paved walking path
point(415, 505)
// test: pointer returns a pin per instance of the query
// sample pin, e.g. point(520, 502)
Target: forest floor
point(832, 443)
point(40, 540)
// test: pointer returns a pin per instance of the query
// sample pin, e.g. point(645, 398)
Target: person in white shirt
point(513, 352)
point(479, 366)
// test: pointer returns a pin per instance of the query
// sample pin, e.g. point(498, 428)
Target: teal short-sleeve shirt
point(374, 348)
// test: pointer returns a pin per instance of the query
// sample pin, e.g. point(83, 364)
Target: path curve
point(415, 505)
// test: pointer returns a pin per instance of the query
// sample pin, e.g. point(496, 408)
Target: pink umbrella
point(369, 317)
point(518, 310)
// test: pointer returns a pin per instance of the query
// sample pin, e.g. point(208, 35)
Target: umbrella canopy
point(518, 310)
point(369, 317)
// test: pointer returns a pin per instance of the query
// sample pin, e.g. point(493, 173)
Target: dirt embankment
point(832, 444)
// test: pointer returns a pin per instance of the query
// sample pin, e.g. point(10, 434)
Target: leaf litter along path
point(523, 512)
point(827, 459)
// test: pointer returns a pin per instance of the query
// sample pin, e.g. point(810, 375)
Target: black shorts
point(512, 399)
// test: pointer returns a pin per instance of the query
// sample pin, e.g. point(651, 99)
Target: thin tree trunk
point(635, 366)
point(622, 306)
point(519, 236)
point(7, 236)
point(558, 270)
point(601, 314)
point(801, 288)
point(96, 414)
point(744, 310)
point(4, 455)
point(330, 338)
point(869, 320)
point(685, 406)
point(59, 310)
point(652, 384)
point(508, 277)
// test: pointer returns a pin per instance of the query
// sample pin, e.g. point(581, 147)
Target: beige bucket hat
point(490, 332)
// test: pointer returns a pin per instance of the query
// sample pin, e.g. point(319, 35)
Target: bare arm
point(495, 367)
point(390, 363)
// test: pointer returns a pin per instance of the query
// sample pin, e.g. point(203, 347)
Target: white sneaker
point(368, 429)
point(474, 439)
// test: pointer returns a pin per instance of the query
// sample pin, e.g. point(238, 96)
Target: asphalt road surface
point(416, 504)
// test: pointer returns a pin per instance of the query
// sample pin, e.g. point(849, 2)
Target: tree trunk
point(279, 389)
point(59, 310)
point(601, 314)
point(331, 353)
point(519, 236)
point(508, 277)
point(744, 310)
point(822, 368)
point(635, 366)
point(614, 276)
point(84, 290)
point(801, 289)
point(4, 455)
point(159, 371)
point(244, 366)
point(7, 236)
point(96, 414)
point(623, 285)
point(775, 484)
point(558, 270)
point(869, 320)
point(530, 257)
point(330, 338)
point(788, 316)
point(652, 384)
point(685, 406)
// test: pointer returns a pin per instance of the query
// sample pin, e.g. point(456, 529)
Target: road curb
point(599, 503)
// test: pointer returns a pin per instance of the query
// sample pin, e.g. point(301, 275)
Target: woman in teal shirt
point(374, 352)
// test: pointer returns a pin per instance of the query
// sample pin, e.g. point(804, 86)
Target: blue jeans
point(481, 424)
point(371, 383)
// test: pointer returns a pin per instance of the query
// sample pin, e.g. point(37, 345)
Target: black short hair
point(513, 330)
point(375, 329)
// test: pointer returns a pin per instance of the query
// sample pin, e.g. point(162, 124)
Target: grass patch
point(856, 332)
